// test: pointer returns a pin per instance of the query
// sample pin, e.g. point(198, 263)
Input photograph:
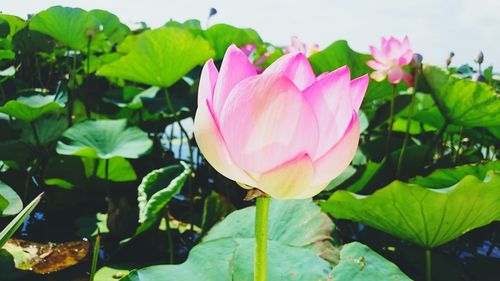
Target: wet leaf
point(11, 228)
point(46, 258)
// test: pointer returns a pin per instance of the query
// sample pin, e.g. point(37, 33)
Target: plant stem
point(261, 221)
point(435, 140)
point(35, 134)
point(191, 159)
point(169, 239)
point(390, 122)
point(407, 136)
point(95, 256)
point(106, 176)
point(428, 273)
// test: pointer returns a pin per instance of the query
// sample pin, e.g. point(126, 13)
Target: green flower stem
point(390, 122)
point(170, 241)
point(428, 273)
point(35, 134)
point(191, 158)
point(95, 257)
point(407, 136)
point(261, 221)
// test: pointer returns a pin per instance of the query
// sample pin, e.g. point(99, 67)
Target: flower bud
point(478, 77)
point(480, 57)
point(417, 60)
point(448, 60)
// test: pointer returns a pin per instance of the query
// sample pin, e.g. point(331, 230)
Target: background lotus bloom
point(299, 46)
point(284, 131)
point(390, 59)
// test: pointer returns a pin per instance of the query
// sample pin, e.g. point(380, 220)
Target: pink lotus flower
point(299, 46)
point(250, 51)
point(390, 59)
point(285, 131)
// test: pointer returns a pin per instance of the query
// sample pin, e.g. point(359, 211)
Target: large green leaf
point(32, 107)
point(443, 178)
point(156, 190)
point(48, 129)
point(10, 203)
point(226, 253)
point(74, 27)
point(11, 228)
point(104, 139)
point(13, 23)
point(462, 101)
point(339, 54)
point(360, 263)
point(160, 57)
point(221, 36)
point(298, 233)
point(427, 217)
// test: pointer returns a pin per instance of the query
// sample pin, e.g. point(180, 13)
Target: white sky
point(435, 27)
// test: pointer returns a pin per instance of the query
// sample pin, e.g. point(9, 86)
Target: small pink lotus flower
point(285, 131)
point(390, 59)
point(299, 46)
point(250, 51)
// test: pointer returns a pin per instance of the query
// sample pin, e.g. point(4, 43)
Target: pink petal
point(208, 80)
point(378, 75)
point(297, 45)
point(358, 90)
point(248, 49)
point(408, 79)
point(330, 99)
point(406, 58)
point(212, 146)
point(393, 49)
point(289, 180)
point(235, 67)
point(405, 45)
point(395, 75)
point(378, 55)
point(383, 41)
point(338, 158)
point(296, 67)
point(265, 123)
point(376, 65)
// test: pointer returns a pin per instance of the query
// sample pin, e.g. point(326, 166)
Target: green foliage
point(221, 36)
point(160, 57)
point(95, 30)
point(11, 228)
point(426, 217)
point(463, 102)
point(84, 116)
point(10, 203)
point(156, 190)
point(31, 107)
point(104, 139)
point(358, 262)
point(297, 235)
point(339, 54)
